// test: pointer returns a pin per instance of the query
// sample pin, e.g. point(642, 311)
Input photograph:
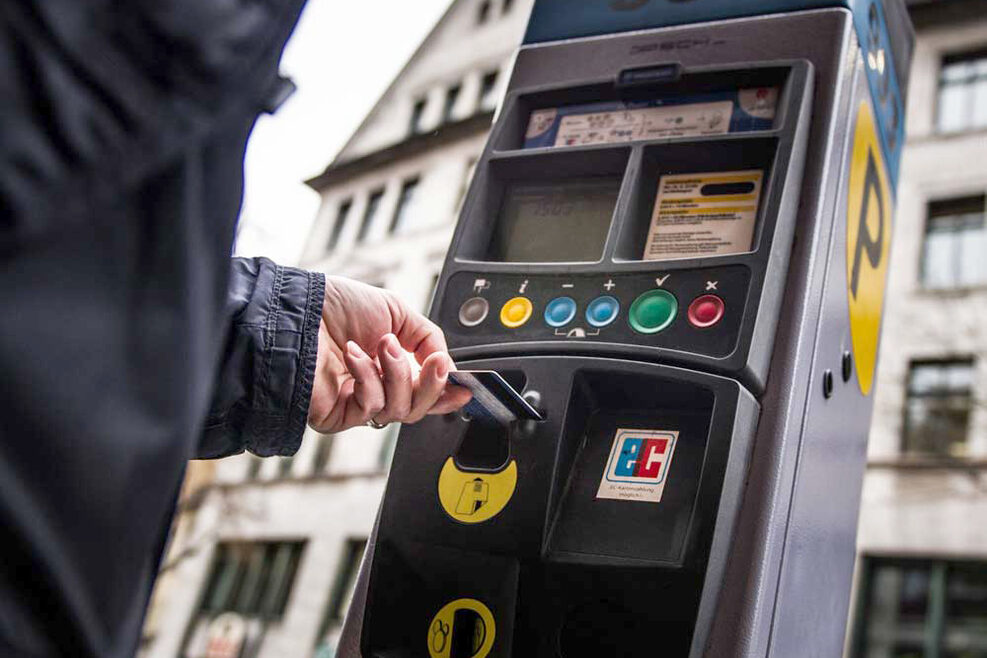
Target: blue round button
point(560, 311)
point(602, 311)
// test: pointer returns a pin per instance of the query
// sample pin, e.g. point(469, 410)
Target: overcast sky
point(342, 56)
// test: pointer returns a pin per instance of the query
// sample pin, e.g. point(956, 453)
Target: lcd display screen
point(555, 222)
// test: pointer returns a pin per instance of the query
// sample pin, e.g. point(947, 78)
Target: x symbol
point(711, 285)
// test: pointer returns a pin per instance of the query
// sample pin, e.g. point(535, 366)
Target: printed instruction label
point(638, 465)
point(646, 123)
point(707, 214)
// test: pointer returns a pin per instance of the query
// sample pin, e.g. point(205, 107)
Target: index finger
point(418, 334)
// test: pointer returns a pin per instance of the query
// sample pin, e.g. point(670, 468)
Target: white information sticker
point(644, 123)
point(638, 466)
point(707, 214)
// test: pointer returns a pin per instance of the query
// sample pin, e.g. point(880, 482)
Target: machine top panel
point(883, 29)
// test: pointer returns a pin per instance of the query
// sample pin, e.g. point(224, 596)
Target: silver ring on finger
point(374, 424)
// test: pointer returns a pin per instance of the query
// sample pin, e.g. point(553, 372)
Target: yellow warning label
point(465, 623)
point(868, 227)
point(475, 497)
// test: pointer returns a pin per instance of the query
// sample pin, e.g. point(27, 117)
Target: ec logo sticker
point(868, 238)
point(638, 465)
point(475, 497)
point(464, 627)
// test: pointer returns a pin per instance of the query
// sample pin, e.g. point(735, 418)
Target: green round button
point(653, 311)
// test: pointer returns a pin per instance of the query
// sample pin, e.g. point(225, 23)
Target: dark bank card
point(493, 397)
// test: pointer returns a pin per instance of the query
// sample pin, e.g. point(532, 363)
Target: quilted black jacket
point(128, 344)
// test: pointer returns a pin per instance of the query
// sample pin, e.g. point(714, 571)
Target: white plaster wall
point(440, 65)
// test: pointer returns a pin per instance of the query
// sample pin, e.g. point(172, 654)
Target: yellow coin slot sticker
point(475, 497)
point(476, 629)
point(868, 225)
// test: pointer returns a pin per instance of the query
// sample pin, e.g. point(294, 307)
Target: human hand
point(362, 371)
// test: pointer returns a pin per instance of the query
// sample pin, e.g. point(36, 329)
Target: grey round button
point(473, 311)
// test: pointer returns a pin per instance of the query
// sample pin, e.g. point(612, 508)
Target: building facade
point(267, 566)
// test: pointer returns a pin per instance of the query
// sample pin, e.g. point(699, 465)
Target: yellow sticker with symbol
point(465, 624)
point(470, 497)
point(868, 226)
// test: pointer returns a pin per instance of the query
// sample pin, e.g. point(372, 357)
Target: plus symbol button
point(609, 285)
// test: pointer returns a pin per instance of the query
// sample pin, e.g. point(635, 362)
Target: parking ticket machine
point(675, 245)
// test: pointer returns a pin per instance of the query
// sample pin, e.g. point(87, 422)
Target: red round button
point(705, 311)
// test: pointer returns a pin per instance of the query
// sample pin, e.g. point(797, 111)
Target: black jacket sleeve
point(265, 379)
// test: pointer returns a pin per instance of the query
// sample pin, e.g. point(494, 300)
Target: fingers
point(416, 333)
point(367, 399)
point(452, 398)
point(431, 384)
point(397, 379)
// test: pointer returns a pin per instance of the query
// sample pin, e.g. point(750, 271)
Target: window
point(339, 597)
point(252, 579)
point(963, 92)
point(322, 452)
point(488, 91)
point(911, 608)
point(337, 228)
point(451, 97)
point(405, 208)
point(373, 205)
point(938, 402)
point(417, 116)
point(955, 244)
point(483, 14)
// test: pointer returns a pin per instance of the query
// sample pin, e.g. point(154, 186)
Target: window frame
point(484, 12)
point(343, 211)
point(453, 94)
point(947, 59)
point(416, 124)
point(406, 198)
point(942, 363)
point(374, 201)
point(937, 621)
point(937, 209)
point(488, 87)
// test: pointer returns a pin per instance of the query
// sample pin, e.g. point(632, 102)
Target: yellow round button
point(515, 312)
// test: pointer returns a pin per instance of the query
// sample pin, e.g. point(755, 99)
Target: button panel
point(684, 310)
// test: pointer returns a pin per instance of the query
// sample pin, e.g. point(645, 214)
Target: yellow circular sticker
point(475, 497)
point(868, 238)
point(466, 623)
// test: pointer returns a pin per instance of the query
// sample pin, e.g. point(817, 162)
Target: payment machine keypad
point(695, 310)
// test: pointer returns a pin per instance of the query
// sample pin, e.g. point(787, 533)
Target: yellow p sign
point(868, 226)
